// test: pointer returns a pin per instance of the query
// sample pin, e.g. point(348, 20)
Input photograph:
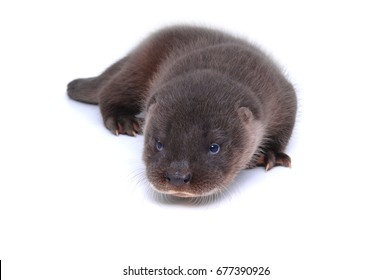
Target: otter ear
point(151, 108)
point(150, 102)
point(245, 114)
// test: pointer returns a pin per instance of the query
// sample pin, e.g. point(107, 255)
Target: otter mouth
point(180, 193)
point(177, 193)
point(184, 193)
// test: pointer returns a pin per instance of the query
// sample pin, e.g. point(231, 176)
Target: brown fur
point(199, 87)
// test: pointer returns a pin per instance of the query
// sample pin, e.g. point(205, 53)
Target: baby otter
point(214, 104)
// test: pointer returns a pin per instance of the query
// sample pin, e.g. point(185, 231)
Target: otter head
point(201, 129)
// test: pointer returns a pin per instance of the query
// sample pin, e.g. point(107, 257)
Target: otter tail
point(83, 90)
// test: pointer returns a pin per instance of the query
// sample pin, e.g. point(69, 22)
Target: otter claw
point(124, 129)
point(271, 159)
point(124, 125)
point(267, 167)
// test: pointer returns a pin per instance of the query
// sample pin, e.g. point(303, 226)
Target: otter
point(213, 105)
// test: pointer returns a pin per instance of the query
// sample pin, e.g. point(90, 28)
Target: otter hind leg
point(87, 90)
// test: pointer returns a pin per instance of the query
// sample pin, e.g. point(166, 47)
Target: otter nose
point(178, 179)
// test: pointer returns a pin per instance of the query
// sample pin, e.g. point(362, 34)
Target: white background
point(73, 204)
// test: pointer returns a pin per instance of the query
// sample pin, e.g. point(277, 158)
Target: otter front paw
point(129, 125)
point(271, 159)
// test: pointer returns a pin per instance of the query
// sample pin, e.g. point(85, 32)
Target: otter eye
point(214, 148)
point(159, 145)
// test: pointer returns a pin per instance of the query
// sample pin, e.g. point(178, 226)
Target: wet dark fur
point(198, 87)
